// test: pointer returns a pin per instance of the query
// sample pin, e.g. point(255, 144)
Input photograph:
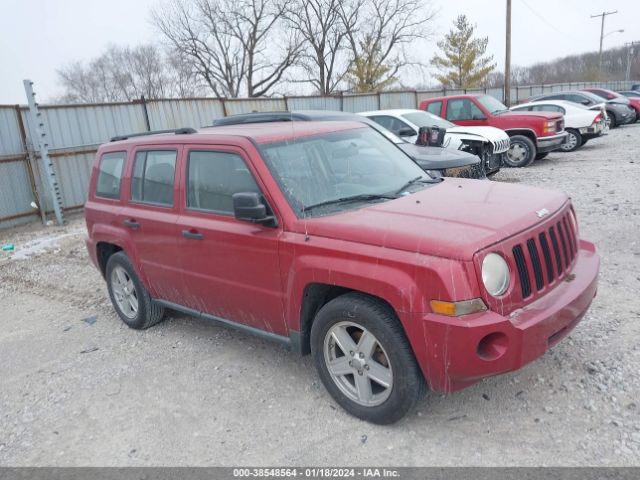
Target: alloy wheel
point(358, 364)
point(518, 153)
point(124, 292)
point(571, 143)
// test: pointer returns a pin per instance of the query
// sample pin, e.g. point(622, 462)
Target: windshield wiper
point(419, 179)
point(363, 197)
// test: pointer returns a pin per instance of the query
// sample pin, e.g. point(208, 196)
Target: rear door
point(150, 215)
point(230, 267)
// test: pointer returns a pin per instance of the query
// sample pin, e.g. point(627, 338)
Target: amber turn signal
point(455, 309)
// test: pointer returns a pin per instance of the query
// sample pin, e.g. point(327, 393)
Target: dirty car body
point(328, 239)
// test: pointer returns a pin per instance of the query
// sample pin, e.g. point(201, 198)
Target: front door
point(464, 111)
point(230, 267)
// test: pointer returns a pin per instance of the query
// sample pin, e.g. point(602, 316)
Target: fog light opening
point(492, 346)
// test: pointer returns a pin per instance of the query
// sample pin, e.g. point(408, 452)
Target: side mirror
point(407, 132)
point(585, 102)
point(478, 116)
point(248, 206)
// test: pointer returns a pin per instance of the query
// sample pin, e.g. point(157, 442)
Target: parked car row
point(619, 108)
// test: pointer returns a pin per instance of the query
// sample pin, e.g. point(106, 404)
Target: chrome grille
point(500, 146)
point(540, 264)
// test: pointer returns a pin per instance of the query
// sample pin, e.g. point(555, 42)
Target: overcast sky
point(39, 36)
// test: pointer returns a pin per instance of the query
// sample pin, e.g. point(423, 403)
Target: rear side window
point(548, 108)
point(213, 178)
point(435, 108)
point(109, 175)
point(153, 177)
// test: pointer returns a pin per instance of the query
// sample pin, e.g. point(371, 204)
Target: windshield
point(492, 104)
point(426, 119)
point(338, 165)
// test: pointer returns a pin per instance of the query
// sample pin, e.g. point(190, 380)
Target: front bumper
point(551, 143)
point(461, 351)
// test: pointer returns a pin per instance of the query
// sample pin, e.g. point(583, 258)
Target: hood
point(436, 158)
point(520, 114)
point(453, 219)
point(497, 137)
point(492, 134)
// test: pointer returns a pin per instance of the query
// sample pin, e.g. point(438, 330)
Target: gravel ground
point(79, 388)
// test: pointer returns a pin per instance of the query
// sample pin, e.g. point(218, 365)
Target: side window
point(463, 109)
point(579, 99)
point(213, 178)
point(384, 121)
point(435, 108)
point(392, 123)
point(153, 176)
point(109, 174)
point(547, 108)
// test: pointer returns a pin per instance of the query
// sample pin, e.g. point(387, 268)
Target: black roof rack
point(258, 117)
point(177, 131)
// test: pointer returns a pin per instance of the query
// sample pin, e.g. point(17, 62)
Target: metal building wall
point(15, 186)
point(165, 114)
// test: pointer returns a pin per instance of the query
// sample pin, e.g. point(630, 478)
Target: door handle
point(192, 234)
point(131, 223)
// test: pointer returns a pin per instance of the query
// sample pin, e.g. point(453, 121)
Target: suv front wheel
point(128, 295)
point(364, 359)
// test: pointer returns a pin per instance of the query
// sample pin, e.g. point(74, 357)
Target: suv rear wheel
point(364, 359)
point(522, 152)
point(128, 295)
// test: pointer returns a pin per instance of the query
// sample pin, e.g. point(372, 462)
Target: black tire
point(613, 122)
point(574, 141)
point(540, 156)
point(148, 312)
point(521, 142)
point(374, 316)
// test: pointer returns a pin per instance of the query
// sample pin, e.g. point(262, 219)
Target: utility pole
point(603, 15)
point(507, 59)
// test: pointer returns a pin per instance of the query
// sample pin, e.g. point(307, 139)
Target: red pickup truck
point(533, 134)
point(329, 239)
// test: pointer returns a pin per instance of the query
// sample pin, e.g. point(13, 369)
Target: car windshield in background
point(493, 105)
point(426, 119)
point(340, 170)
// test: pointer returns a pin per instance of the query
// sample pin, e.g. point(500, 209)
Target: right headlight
point(495, 274)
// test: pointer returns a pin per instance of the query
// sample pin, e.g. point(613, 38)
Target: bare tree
point(235, 45)
point(378, 39)
point(124, 74)
point(323, 25)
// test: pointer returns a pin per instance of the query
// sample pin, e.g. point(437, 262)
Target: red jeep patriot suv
point(328, 238)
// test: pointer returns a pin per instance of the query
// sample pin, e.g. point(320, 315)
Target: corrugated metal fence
point(75, 131)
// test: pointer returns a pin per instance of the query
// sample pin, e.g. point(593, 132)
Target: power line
point(547, 22)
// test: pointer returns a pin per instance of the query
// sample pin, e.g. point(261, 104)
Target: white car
point(489, 143)
point(580, 123)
